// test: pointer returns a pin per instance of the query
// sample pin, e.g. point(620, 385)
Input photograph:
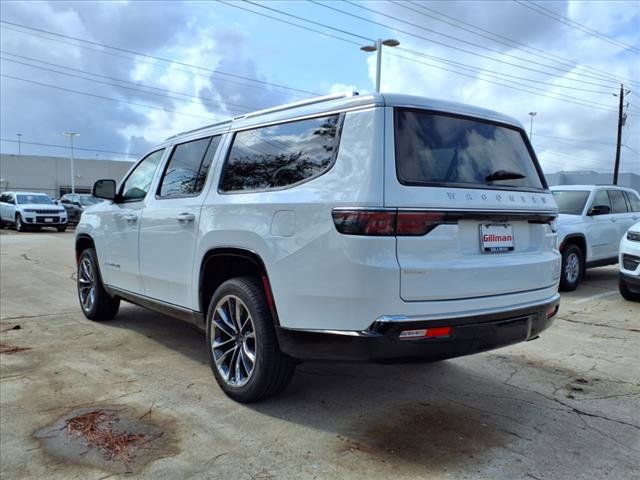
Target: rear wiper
point(503, 175)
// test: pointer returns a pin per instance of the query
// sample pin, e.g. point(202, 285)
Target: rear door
point(169, 223)
point(474, 212)
point(602, 231)
point(633, 201)
point(622, 217)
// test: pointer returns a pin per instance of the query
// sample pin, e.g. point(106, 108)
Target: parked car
point(630, 264)
point(592, 220)
point(75, 203)
point(31, 210)
point(349, 228)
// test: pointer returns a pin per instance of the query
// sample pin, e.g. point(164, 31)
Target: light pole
point(531, 114)
point(389, 42)
point(73, 180)
point(19, 143)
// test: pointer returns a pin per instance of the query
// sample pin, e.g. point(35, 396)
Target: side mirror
point(105, 188)
point(600, 210)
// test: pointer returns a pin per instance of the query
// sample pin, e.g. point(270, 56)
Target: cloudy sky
point(128, 74)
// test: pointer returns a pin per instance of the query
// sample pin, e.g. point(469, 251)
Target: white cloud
point(554, 117)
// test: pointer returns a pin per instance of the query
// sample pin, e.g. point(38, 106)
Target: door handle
point(186, 217)
point(131, 217)
point(614, 219)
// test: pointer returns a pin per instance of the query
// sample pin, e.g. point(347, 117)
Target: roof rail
point(198, 129)
point(301, 103)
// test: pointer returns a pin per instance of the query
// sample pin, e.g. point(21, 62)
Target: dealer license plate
point(496, 237)
point(48, 220)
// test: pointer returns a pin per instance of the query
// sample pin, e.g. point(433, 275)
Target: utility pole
point(73, 180)
point(616, 167)
point(19, 143)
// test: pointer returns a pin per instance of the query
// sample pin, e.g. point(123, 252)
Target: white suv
point(592, 220)
point(31, 210)
point(371, 228)
point(629, 282)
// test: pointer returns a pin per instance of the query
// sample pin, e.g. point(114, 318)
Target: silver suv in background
point(592, 220)
point(31, 210)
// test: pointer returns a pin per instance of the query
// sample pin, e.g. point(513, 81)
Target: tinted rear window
point(617, 201)
point(571, 202)
point(443, 150)
point(634, 201)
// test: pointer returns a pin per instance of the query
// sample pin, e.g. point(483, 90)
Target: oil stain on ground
point(436, 435)
point(110, 438)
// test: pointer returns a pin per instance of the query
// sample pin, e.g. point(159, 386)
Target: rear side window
point(444, 150)
point(634, 201)
point(186, 170)
point(618, 204)
point(281, 155)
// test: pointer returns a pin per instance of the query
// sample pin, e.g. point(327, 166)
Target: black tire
point(61, 229)
point(626, 293)
point(19, 223)
point(570, 278)
point(104, 306)
point(272, 370)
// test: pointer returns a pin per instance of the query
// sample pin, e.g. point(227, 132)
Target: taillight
point(417, 223)
point(365, 222)
point(386, 222)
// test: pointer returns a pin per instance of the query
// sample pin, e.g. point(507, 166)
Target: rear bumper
point(381, 342)
point(632, 282)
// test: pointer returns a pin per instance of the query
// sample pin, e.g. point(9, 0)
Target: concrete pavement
point(564, 406)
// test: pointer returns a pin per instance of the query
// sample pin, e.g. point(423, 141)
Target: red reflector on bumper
point(551, 311)
point(434, 332)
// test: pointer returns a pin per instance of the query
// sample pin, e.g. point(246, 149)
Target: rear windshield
point(39, 199)
point(443, 150)
point(570, 202)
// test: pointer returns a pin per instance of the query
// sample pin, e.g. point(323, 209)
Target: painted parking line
point(597, 296)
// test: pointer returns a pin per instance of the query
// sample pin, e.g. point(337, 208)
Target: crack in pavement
point(20, 317)
point(633, 330)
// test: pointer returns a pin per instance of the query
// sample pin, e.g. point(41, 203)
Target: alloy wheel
point(86, 284)
point(572, 268)
point(233, 341)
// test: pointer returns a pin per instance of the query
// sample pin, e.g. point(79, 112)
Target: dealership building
point(52, 175)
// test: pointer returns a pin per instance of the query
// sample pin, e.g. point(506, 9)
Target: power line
point(509, 42)
point(161, 59)
point(580, 102)
point(289, 23)
point(447, 45)
point(579, 140)
point(105, 98)
point(576, 25)
point(145, 61)
point(634, 151)
point(361, 37)
point(564, 98)
point(201, 101)
point(66, 147)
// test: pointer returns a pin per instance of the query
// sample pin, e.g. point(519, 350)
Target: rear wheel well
point(221, 265)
